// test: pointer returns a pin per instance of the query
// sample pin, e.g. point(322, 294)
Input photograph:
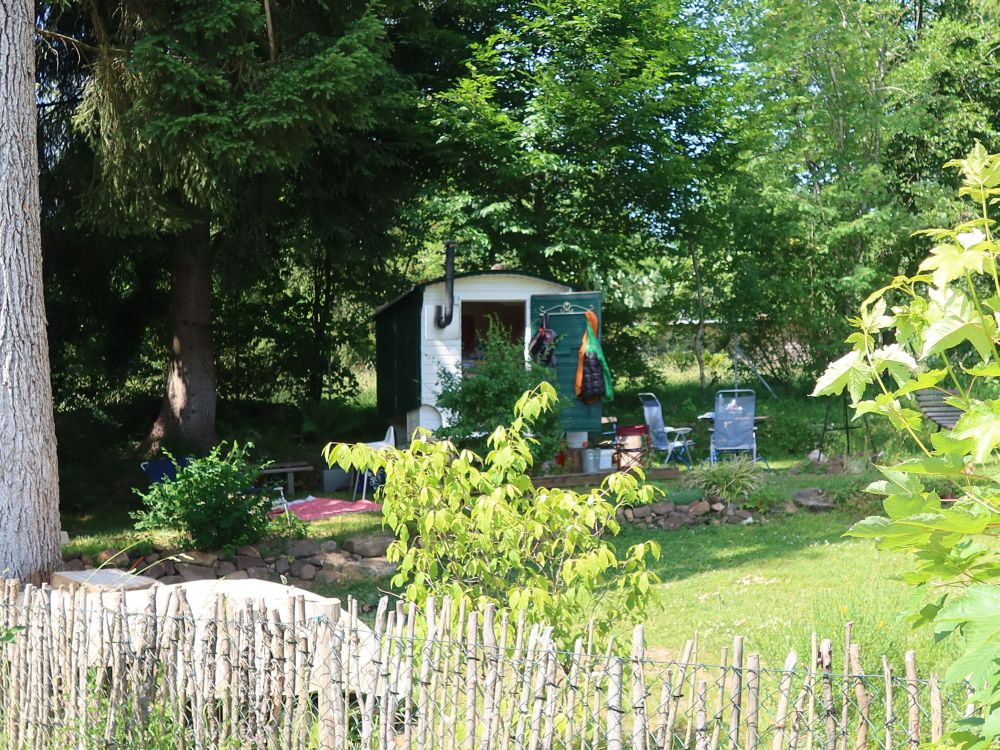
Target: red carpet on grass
point(315, 508)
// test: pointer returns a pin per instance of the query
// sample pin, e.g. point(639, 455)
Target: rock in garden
point(259, 572)
point(671, 522)
point(662, 509)
point(718, 507)
point(281, 565)
point(326, 576)
point(699, 508)
point(372, 545)
point(190, 572)
point(303, 548)
point(330, 545)
point(171, 580)
point(204, 559)
point(814, 498)
point(245, 562)
point(335, 560)
point(248, 551)
point(76, 564)
point(236, 575)
point(629, 515)
point(817, 456)
point(112, 558)
point(224, 568)
point(642, 512)
point(742, 513)
point(303, 570)
point(372, 567)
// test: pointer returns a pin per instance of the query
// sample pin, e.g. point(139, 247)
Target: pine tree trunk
point(189, 400)
point(29, 477)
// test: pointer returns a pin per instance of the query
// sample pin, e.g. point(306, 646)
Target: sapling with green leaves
point(478, 529)
point(942, 325)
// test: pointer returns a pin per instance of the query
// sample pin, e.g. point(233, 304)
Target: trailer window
point(476, 318)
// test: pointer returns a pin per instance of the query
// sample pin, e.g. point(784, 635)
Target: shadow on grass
point(688, 552)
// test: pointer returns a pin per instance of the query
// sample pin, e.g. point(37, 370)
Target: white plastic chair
point(368, 478)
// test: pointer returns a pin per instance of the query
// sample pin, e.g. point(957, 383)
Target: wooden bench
point(931, 402)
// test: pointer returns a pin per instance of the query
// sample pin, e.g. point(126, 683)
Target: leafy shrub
point(945, 331)
point(483, 396)
point(477, 528)
point(211, 500)
point(731, 481)
point(761, 500)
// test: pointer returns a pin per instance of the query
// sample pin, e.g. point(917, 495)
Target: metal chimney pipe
point(445, 313)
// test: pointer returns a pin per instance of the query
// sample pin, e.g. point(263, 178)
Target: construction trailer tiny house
point(416, 338)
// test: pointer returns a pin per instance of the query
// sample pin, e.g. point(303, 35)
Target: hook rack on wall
point(566, 308)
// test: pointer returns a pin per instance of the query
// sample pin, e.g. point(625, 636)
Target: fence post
point(784, 693)
point(737, 693)
point(640, 728)
point(912, 699)
point(675, 699)
point(846, 696)
point(615, 704)
point(862, 696)
point(700, 732)
point(937, 728)
point(890, 716)
point(753, 701)
point(826, 664)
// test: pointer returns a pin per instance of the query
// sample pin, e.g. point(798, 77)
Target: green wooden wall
point(577, 416)
point(397, 356)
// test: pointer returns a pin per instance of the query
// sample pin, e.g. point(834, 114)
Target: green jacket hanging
point(593, 376)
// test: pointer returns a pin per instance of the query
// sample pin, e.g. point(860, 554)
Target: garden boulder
point(370, 545)
point(814, 498)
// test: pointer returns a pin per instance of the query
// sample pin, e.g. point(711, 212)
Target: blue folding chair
point(734, 430)
point(672, 441)
point(162, 469)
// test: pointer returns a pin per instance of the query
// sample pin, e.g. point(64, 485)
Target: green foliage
point(478, 529)
point(730, 481)
point(943, 323)
point(7, 635)
point(211, 500)
point(483, 396)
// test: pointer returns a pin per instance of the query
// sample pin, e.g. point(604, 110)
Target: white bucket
point(607, 459)
point(590, 460)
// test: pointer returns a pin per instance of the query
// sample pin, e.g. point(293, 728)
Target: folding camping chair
point(632, 446)
point(673, 441)
point(162, 469)
point(733, 427)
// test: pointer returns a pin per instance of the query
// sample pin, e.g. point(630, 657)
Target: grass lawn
point(775, 583)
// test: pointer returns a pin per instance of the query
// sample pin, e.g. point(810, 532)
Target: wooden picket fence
point(84, 672)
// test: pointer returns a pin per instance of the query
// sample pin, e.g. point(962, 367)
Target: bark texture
point(189, 401)
point(29, 478)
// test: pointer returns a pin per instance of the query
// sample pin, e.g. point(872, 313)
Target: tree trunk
point(29, 477)
point(189, 400)
point(699, 331)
